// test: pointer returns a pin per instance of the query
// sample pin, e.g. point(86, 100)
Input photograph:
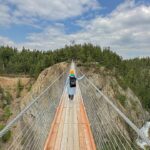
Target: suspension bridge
point(89, 122)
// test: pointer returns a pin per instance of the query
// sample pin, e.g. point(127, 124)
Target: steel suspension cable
point(134, 127)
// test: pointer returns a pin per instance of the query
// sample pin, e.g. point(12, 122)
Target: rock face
point(9, 104)
point(44, 110)
point(10, 84)
point(45, 78)
point(124, 99)
point(109, 85)
point(37, 120)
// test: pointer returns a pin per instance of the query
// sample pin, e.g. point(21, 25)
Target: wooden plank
point(65, 129)
point(75, 125)
point(70, 132)
point(87, 131)
point(60, 131)
point(81, 138)
point(64, 137)
point(75, 121)
point(70, 138)
point(87, 139)
point(81, 133)
point(53, 138)
point(54, 129)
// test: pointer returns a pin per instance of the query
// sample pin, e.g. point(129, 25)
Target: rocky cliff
point(30, 120)
point(123, 97)
point(45, 78)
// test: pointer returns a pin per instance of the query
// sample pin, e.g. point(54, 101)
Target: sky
point(124, 25)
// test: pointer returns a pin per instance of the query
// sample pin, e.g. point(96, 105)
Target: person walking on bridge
point(71, 84)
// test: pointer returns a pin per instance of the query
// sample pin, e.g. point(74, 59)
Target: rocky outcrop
point(123, 98)
point(45, 78)
point(32, 121)
point(109, 85)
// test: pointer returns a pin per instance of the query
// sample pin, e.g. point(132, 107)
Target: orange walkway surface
point(70, 129)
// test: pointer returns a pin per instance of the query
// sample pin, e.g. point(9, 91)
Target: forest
point(134, 73)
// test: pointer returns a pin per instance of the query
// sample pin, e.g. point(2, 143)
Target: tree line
point(33, 62)
point(134, 73)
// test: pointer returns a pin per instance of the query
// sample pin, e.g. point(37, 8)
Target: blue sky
point(124, 25)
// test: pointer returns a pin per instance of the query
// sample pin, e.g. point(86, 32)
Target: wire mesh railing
point(31, 126)
point(111, 129)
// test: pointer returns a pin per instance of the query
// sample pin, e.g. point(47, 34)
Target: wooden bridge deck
point(70, 129)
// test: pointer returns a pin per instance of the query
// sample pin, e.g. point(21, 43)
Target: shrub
point(29, 87)
point(5, 138)
point(19, 88)
point(122, 83)
point(122, 99)
point(7, 113)
point(5, 98)
point(8, 97)
point(1, 90)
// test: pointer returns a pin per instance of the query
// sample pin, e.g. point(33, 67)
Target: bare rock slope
point(45, 78)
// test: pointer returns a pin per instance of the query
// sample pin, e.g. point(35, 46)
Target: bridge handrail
point(11, 123)
point(127, 120)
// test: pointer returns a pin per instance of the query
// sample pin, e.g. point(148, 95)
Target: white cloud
point(6, 41)
point(5, 18)
point(126, 30)
point(51, 9)
point(31, 11)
